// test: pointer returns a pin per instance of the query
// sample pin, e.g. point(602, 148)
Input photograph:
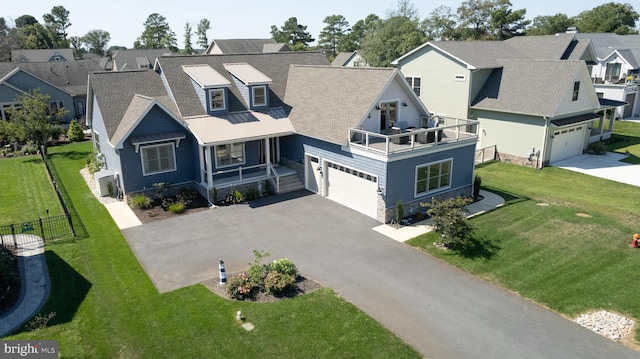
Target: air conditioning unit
point(103, 178)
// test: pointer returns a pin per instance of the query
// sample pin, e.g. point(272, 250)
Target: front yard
point(562, 239)
point(103, 305)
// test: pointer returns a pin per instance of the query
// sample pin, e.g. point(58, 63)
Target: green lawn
point(106, 307)
point(27, 191)
point(629, 134)
point(562, 239)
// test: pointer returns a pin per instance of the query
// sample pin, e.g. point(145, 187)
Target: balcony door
point(387, 116)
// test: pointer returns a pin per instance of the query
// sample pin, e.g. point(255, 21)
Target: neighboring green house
point(532, 96)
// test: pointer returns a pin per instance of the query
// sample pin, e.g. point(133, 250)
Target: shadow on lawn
point(68, 290)
point(478, 247)
point(509, 198)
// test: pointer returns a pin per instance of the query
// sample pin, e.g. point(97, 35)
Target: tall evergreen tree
point(188, 48)
point(57, 23)
point(201, 30)
point(293, 34)
point(337, 27)
point(156, 35)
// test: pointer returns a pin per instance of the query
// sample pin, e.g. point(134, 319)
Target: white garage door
point(351, 188)
point(567, 143)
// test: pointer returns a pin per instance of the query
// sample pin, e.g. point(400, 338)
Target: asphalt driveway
point(438, 309)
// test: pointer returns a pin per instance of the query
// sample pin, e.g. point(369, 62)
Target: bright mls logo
point(40, 349)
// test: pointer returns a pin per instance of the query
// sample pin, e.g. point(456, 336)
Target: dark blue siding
point(157, 121)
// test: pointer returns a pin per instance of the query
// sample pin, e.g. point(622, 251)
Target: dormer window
point(259, 95)
point(216, 100)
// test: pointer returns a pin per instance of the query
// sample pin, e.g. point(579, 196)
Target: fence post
point(41, 229)
point(13, 235)
point(73, 231)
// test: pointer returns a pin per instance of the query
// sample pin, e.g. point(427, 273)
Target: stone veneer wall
point(518, 160)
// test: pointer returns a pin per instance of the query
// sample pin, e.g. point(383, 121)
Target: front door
point(313, 174)
point(387, 116)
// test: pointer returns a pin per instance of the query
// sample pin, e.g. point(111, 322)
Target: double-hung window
point(216, 100)
point(158, 158)
point(576, 91)
point(415, 83)
point(432, 177)
point(230, 154)
point(259, 95)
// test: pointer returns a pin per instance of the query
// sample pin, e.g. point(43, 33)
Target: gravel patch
point(607, 324)
point(91, 182)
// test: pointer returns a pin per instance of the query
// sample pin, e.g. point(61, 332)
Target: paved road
point(440, 310)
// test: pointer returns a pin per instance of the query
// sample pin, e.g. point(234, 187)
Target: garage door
point(352, 188)
point(567, 143)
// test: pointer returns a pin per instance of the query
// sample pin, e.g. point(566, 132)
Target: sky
point(242, 19)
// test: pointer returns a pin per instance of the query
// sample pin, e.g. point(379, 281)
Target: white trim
point(253, 96)
point(210, 93)
point(439, 189)
point(143, 155)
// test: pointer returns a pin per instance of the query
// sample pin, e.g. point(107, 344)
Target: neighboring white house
point(532, 95)
point(616, 75)
point(349, 59)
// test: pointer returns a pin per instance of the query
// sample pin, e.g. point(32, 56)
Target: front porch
point(276, 175)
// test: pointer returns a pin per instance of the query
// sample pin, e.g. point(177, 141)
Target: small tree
point(450, 222)
point(35, 120)
point(75, 132)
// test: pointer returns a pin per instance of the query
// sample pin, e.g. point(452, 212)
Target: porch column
point(612, 119)
point(202, 162)
point(207, 155)
point(267, 155)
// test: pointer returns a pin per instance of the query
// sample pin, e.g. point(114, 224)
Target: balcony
point(448, 132)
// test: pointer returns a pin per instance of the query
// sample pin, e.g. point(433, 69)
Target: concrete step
point(290, 183)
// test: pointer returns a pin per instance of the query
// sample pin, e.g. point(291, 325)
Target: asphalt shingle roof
point(70, 76)
point(40, 55)
point(605, 43)
point(527, 86)
point(327, 100)
point(273, 65)
point(247, 46)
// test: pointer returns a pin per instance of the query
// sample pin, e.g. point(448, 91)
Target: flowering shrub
point(284, 266)
point(239, 286)
point(276, 283)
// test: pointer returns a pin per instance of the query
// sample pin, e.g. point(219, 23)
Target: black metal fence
point(15, 235)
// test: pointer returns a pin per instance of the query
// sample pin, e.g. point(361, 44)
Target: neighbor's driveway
point(438, 309)
point(606, 166)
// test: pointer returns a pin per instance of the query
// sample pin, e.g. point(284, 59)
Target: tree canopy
point(329, 39)
point(57, 22)
point(609, 17)
point(157, 34)
point(293, 34)
point(201, 31)
point(96, 41)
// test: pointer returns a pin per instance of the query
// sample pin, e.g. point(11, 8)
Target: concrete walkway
point(35, 281)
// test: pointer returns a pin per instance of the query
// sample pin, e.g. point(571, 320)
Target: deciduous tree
point(609, 17)
point(96, 41)
point(450, 221)
point(549, 25)
point(35, 120)
point(395, 37)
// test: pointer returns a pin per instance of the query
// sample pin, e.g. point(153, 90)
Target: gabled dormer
point(252, 84)
point(212, 88)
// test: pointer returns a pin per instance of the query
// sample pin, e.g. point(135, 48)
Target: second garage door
point(352, 188)
point(567, 143)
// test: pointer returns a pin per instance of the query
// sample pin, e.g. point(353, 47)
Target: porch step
point(290, 183)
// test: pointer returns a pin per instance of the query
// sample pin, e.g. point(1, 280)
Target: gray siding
point(110, 155)
point(27, 82)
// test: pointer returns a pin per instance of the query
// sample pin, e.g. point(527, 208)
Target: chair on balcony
point(401, 140)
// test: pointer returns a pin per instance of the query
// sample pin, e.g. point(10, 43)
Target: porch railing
point(241, 175)
point(452, 131)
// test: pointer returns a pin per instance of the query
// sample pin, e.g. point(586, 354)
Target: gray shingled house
point(358, 136)
point(532, 95)
point(65, 82)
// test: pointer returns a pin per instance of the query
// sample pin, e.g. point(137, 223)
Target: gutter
point(545, 139)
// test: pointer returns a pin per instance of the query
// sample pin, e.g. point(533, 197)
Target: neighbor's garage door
point(567, 143)
point(352, 188)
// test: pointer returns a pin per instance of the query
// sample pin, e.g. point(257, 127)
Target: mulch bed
point(302, 286)
point(157, 213)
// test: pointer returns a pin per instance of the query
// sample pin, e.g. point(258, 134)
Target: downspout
point(545, 139)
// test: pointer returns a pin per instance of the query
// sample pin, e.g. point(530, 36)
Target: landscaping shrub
point(140, 201)
point(450, 221)
point(252, 194)
point(75, 132)
point(29, 149)
point(177, 207)
point(399, 211)
point(275, 283)
point(239, 287)
point(598, 148)
point(234, 197)
point(477, 182)
point(214, 195)
point(284, 266)
point(94, 163)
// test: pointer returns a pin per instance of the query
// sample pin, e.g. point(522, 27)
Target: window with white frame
point(415, 83)
point(5, 108)
point(229, 154)
point(158, 158)
point(216, 100)
point(433, 176)
point(576, 91)
point(613, 71)
point(259, 95)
